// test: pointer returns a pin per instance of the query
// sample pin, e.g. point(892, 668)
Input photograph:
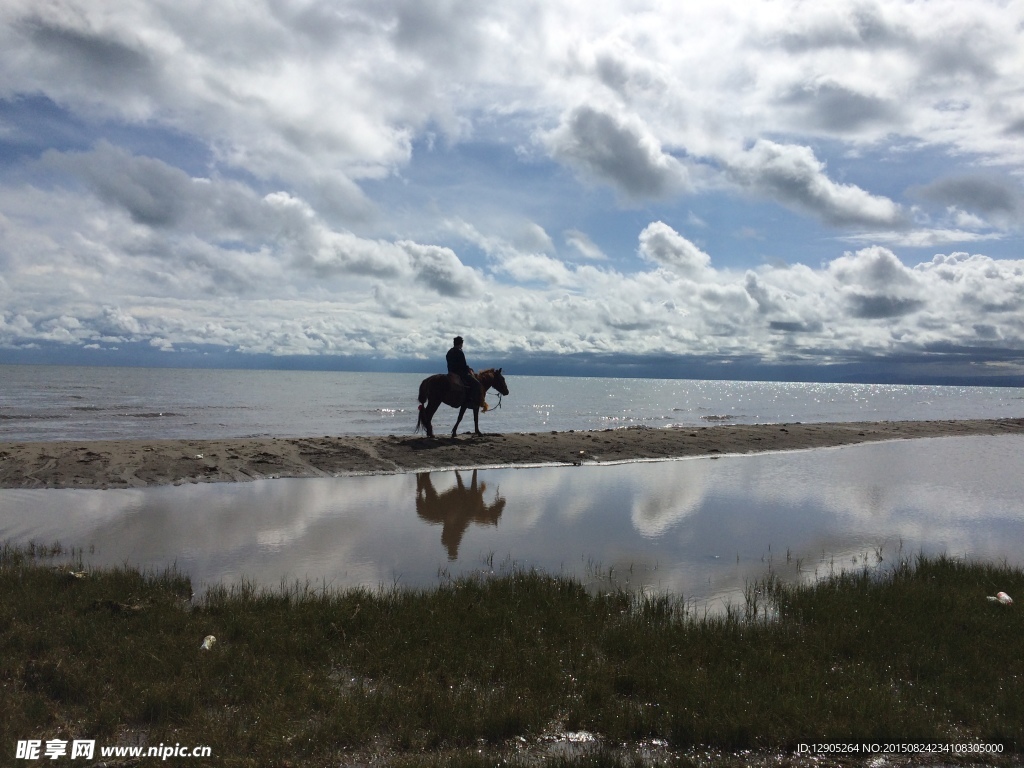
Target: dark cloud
point(440, 270)
point(833, 107)
point(882, 307)
point(762, 295)
point(89, 56)
point(627, 78)
point(861, 26)
point(618, 152)
point(1015, 128)
point(150, 191)
point(325, 24)
point(963, 53)
point(164, 197)
point(428, 27)
point(613, 72)
point(785, 326)
point(993, 197)
point(963, 48)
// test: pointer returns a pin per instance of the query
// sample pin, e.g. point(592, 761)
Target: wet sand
point(138, 463)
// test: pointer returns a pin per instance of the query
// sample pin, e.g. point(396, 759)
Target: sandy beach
point(138, 463)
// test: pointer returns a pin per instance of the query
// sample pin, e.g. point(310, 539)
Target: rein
point(495, 391)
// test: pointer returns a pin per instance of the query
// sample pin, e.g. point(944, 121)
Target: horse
point(440, 388)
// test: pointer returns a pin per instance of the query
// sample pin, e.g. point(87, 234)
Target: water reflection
point(701, 528)
point(455, 508)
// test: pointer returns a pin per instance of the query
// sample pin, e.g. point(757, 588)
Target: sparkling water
point(82, 403)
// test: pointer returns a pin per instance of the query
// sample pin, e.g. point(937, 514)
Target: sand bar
point(138, 463)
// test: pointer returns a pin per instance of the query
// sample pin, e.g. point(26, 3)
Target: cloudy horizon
point(768, 189)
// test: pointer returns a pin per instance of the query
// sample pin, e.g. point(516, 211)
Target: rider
point(457, 364)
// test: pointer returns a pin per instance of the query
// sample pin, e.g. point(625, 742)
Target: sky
point(762, 189)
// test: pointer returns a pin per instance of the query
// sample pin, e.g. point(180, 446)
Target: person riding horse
point(457, 364)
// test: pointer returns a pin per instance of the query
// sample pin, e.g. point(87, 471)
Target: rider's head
point(458, 341)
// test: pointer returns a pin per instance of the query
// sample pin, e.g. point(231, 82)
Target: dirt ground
point(135, 463)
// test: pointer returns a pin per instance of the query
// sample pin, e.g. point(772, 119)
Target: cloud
point(924, 238)
point(617, 150)
point(440, 269)
point(839, 109)
point(872, 269)
point(321, 177)
point(662, 245)
point(162, 196)
point(860, 303)
point(286, 94)
point(584, 246)
point(84, 53)
point(795, 177)
point(852, 26)
point(994, 198)
point(150, 229)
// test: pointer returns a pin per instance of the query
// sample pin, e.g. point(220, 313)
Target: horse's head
point(498, 381)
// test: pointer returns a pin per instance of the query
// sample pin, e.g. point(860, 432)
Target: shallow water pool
point(700, 528)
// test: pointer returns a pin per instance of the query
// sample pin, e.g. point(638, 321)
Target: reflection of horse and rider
point(455, 508)
point(460, 388)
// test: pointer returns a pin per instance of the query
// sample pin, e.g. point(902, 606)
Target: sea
point(700, 527)
point(41, 403)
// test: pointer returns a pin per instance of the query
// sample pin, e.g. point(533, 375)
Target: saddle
point(457, 385)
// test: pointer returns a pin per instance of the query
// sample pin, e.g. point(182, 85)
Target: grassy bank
point(503, 665)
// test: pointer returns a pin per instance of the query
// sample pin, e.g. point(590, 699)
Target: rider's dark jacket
point(457, 362)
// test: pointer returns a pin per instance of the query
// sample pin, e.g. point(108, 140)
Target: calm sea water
point(80, 403)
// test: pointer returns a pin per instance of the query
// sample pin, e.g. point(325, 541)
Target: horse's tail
point(422, 399)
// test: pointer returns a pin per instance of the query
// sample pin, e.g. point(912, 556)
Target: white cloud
point(923, 238)
point(324, 291)
point(286, 228)
point(584, 246)
point(662, 245)
point(794, 176)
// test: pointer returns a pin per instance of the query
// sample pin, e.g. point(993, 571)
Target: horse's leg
point(462, 412)
point(476, 421)
point(428, 415)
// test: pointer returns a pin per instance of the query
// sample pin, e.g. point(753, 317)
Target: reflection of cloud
point(944, 492)
point(664, 504)
point(265, 530)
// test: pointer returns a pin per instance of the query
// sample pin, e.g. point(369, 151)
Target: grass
point(480, 670)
